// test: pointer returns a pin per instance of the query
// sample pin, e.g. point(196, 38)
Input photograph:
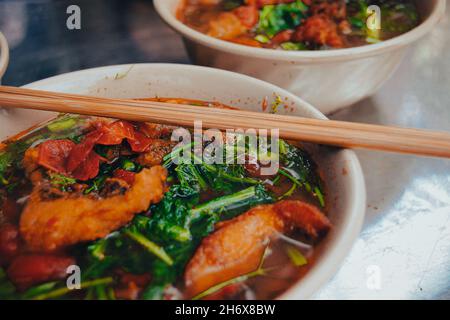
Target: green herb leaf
point(276, 18)
point(298, 167)
point(63, 291)
point(293, 46)
point(63, 124)
point(262, 38)
point(61, 181)
point(239, 201)
point(149, 245)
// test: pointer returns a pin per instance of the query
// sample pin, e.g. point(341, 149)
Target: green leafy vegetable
point(170, 218)
point(128, 165)
point(239, 201)
point(356, 22)
point(10, 160)
point(298, 167)
point(61, 181)
point(149, 245)
point(276, 18)
point(39, 290)
point(293, 46)
point(56, 293)
point(6, 160)
point(64, 123)
point(262, 38)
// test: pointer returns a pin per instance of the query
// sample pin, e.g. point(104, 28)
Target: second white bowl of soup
point(328, 79)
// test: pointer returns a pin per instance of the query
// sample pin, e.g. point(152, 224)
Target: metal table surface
point(403, 251)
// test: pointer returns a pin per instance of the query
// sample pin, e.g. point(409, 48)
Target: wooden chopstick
point(218, 111)
point(336, 133)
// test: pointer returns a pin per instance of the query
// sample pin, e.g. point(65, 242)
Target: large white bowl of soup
point(323, 51)
point(108, 196)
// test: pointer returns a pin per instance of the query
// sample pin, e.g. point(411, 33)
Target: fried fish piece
point(237, 246)
point(226, 26)
point(48, 225)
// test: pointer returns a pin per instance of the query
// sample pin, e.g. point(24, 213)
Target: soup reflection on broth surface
point(300, 24)
point(109, 196)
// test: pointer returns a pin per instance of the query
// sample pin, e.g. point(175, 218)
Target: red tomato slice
point(125, 175)
point(81, 151)
point(53, 154)
point(89, 168)
point(80, 161)
point(140, 142)
point(115, 132)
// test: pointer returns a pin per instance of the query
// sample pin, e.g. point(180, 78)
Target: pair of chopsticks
point(327, 132)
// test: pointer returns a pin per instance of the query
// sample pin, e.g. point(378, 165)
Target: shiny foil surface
point(403, 251)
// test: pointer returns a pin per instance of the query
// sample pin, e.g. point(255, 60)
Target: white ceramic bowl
point(329, 80)
point(346, 192)
point(4, 55)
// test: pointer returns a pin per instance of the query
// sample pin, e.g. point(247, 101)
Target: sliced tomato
point(81, 151)
point(125, 175)
point(89, 168)
point(27, 270)
point(79, 160)
point(140, 142)
point(115, 132)
point(53, 154)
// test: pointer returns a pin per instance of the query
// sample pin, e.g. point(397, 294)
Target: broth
point(296, 24)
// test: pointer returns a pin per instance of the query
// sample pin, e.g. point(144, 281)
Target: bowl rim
point(4, 55)
point(162, 7)
point(336, 251)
